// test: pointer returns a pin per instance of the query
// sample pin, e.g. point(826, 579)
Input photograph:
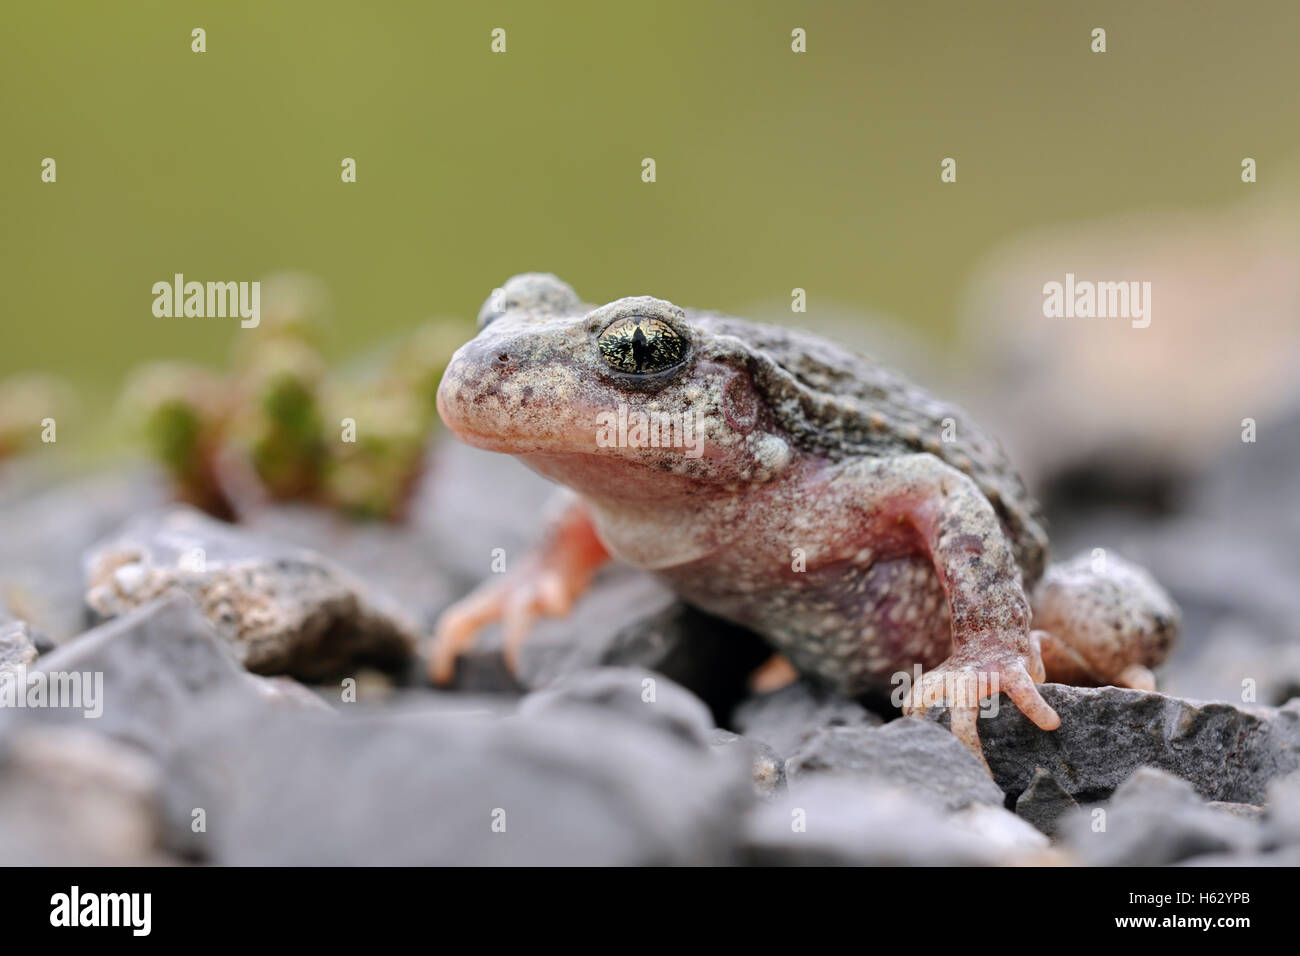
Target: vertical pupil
point(641, 345)
point(640, 348)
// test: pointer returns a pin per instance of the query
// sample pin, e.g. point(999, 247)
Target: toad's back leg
point(1105, 621)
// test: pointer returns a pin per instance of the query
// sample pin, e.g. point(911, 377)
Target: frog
point(863, 527)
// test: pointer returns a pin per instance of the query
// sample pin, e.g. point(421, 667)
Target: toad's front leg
point(994, 651)
point(548, 581)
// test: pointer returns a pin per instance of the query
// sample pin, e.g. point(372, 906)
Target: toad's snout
point(505, 393)
point(475, 397)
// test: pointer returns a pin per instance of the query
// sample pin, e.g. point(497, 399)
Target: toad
point(781, 482)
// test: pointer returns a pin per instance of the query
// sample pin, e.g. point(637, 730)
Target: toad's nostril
point(503, 357)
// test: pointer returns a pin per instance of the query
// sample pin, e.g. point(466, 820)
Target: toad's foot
point(548, 584)
point(773, 674)
point(983, 668)
point(1066, 665)
point(1137, 677)
point(516, 601)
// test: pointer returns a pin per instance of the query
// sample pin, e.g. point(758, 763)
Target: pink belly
point(850, 627)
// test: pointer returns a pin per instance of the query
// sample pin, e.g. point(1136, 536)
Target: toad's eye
point(641, 345)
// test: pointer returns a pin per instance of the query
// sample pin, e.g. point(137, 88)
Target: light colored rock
point(285, 610)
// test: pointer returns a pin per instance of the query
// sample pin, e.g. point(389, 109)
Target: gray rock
point(1153, 819)
point(711, 657)
point(1282, 815)
point(832, 821)
point(1244, 811)
point(1282, 856)
point(625, 693)
point(1044, 802)
point(998, 827)
point(649, 699)
point(914, 755)
point(70, 797)
point(40, 641)
point(154, 668)
point(787, 717)
point(45, 535)
point(287, 692)
point(767, 769)
point(392, 559)
point(1227, 752)
point(160, 672)
point(17, 649)
point(285, 610)
point(550, 789)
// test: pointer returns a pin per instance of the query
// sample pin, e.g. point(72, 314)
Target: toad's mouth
point(514, 444)
point(493, 422)
point(596, 437)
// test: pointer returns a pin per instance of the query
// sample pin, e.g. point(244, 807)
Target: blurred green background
point(775, 170)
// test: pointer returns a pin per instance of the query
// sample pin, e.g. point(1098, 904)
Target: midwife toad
point(778, 481)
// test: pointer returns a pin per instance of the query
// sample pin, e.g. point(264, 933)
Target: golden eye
point(641, 345)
